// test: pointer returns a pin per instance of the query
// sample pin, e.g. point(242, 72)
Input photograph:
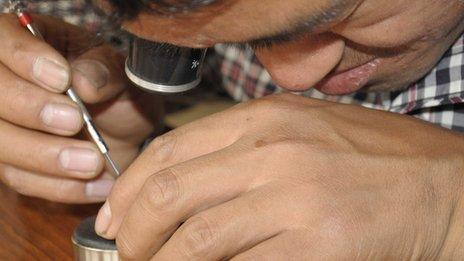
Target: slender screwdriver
point(26, 21)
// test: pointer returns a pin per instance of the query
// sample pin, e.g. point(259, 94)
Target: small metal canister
point(162, 67)
point(88, 246)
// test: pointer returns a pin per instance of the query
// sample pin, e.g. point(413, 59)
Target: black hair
point(128, 9)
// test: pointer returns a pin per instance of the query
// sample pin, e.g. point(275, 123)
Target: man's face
point(337, 46)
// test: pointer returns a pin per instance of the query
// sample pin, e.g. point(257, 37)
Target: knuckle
point(198, 237)
point(163, 148)
point(161, 191)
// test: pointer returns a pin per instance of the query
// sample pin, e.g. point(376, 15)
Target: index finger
point(31, 58)
point(188, 142)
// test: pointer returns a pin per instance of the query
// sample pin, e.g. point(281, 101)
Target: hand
point(290, 178)
point(42, 150)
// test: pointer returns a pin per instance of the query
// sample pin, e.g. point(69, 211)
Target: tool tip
point(112, 164)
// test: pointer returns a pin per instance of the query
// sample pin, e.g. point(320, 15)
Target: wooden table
point(33, 229)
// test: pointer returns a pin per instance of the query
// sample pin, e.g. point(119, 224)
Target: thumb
point(98, 74)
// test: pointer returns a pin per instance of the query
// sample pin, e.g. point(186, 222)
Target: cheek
point(398, 24)
point(389, 33)
point(409, 38)
point(402, 69)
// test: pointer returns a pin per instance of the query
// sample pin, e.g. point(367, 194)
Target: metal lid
point(88, 246)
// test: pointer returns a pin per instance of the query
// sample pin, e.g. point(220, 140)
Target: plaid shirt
point(437, 98)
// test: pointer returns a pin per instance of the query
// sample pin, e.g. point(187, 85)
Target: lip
point(348, 81)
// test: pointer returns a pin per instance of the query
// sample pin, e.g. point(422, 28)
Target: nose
point(300, 64)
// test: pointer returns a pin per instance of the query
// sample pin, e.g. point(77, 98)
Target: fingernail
point(62, 117)
point(99, 189)
point(51, 74)
point(80, 160)
point(103, 221)
point(94, 72)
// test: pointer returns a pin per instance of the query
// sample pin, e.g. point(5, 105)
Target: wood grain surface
point(33, 229)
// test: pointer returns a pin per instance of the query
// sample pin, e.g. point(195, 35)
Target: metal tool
point(26, 21)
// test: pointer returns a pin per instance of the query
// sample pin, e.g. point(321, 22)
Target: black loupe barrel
point(162, 67)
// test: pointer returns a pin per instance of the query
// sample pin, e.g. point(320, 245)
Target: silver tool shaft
point(112, 163)
point(90, 126)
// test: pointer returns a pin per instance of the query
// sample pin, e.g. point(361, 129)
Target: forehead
point(234, 20)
